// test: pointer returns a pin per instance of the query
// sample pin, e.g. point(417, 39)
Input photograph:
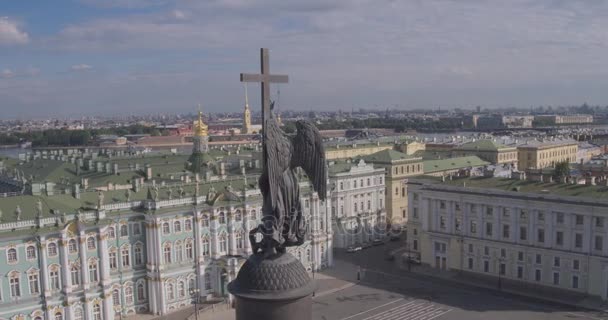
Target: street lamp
point(194, 292)
point(313, 279)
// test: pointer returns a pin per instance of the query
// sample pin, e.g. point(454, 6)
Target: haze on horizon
point(84, 57)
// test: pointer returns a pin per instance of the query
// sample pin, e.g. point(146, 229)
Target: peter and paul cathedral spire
point(246, 115)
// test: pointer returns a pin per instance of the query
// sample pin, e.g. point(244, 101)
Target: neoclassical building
point(545, 235)
point(357, 202)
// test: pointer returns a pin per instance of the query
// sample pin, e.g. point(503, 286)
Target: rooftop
point(431, 166)
point(482, 145)
point(525, 186)
point(388, 156)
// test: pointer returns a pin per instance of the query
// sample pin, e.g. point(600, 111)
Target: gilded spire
point(246, 98)
point(200, 128)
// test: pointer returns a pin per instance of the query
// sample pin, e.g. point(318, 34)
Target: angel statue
point(282, 223)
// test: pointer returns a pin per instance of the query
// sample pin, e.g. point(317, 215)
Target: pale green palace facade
point(70, 255)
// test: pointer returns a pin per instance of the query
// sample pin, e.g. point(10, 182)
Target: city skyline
point(93, 57)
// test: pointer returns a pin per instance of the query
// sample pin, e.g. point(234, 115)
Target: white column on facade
point(108, 308)
point(65, 265)
point(163, 296)
point(105, 260)
point(247, 226)
point(83, 260)
point(231, 233)
point(198, 251)
point(152, 299)
point(44, 268)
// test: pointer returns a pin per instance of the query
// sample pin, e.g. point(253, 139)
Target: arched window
point(52, 249)
point(124, 230)
point(111, 233)
point(91, 243)
point(14, 282)
point(239, 240)
point(181, 289)
point(299, 255)
point(206, 250)
point(141, 292)
point(355, 185)
point(167, 253)
point(33, 282)
point(125, 256)
point(30, 252)
point(222, 218)
point(11, 255)
point(237, 215)
point(72, 246)
point(178, 251)
point(166, 229)
point(38, 318)
point(191, 285)
point(139, 255)
point(93, 277)
point(78, 313)
point(308, 256)
point(129, 295)
point(96, 312)
point(170, 292)
point(116, 297)
point(223, 244)
point(205, 221)
point(58, 316)
point(54, 279)
point(189, 251)
point(207, 279)
point(75, 275)
point(253, 215)
point(177, 226)
point(113, 259)
point(188, 225)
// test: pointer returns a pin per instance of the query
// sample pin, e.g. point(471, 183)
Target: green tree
point(562, 169)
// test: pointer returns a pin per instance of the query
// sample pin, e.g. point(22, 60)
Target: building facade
point(397, 168)
point(357, 199)
point(544, 154)
point(137, 255)
point(554, 241)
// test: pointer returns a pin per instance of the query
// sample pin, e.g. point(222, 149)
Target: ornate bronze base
point(272, 288)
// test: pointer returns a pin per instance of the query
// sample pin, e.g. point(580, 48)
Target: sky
point(68, 58)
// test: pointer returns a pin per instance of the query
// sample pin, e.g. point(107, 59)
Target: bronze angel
point(282, 223)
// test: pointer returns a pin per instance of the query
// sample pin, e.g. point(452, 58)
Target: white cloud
point(7, 73)
point(10, 34)
point(81, 67)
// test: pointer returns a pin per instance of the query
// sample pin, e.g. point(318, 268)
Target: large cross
point(265, 78)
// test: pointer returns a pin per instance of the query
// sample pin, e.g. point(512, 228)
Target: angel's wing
point(310, 155)
point(277, 151)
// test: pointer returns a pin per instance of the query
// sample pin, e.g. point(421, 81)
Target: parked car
point(378, 242)
point(366, 245)
point(354, 248)
point(412, 259)
point(395, 238)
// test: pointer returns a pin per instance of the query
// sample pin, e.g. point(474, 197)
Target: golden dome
point(200, 128)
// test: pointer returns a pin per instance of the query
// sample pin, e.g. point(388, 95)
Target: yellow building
point(354, 150)
point(542, 154)
point(488, 150)
point(411, 147)
point(398, 167)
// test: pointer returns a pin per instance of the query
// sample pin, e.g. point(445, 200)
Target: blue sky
point(87, 57)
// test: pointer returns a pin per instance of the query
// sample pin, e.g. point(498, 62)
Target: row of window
point(31, 252)
point(125, 255)
point(414, 168)
point(360, 183)
point(129, 294)
point(33, 279)
point(557, 261)
point(556, 280)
